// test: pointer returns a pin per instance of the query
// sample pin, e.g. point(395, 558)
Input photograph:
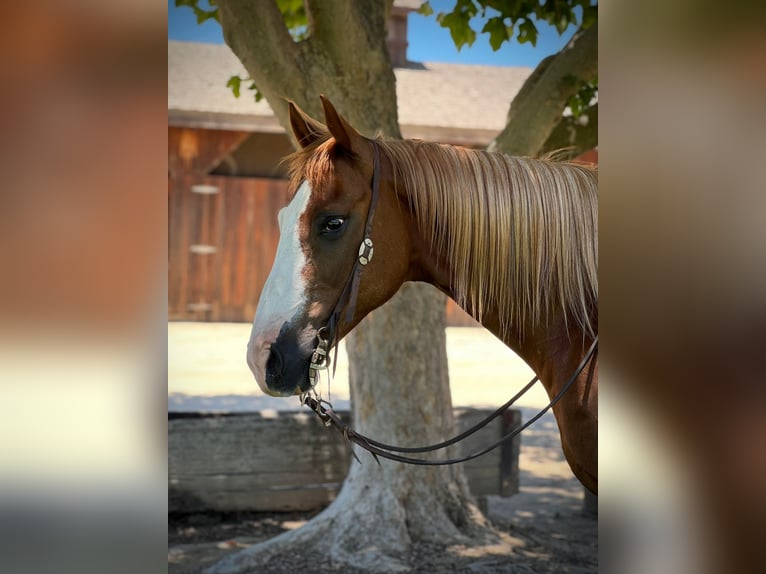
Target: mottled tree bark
point(344, 57)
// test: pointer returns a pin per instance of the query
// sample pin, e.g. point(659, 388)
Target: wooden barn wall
point(221, 245)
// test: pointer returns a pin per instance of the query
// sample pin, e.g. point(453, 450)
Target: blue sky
point(428, 42)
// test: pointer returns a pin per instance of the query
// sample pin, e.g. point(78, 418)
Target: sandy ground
point(207, 372)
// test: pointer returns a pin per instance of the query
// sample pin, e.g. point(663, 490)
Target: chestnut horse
point(512, 240)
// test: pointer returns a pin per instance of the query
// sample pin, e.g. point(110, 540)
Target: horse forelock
point(521, 234)
point(315, 164)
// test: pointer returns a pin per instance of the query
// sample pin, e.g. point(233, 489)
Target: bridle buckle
point(319, 358)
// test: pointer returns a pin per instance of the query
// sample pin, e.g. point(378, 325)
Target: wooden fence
point(290, 461)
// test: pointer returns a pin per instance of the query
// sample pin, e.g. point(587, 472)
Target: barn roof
point(441, 102)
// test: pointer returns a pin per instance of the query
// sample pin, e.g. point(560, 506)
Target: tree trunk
point(401, 393)
point(385, 512)
point(399, 381)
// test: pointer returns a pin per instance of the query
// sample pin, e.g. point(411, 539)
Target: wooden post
point(589, 503)
point(509, 455)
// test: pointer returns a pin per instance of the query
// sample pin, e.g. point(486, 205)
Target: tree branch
point(345, 59)
point(256, 32)
point(536, 110)
point(341, 28)
point(570, 133)
point(531, 82)
point(329, 21)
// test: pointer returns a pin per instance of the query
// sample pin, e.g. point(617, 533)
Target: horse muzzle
point(281, 367)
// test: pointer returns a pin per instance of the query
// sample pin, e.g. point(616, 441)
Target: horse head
point(321, 230)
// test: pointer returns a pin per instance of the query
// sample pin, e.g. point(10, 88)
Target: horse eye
point(333, 225)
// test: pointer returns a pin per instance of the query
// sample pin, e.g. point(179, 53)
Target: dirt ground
point(546, 518)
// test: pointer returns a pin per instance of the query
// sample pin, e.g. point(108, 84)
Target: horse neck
point(552, 349)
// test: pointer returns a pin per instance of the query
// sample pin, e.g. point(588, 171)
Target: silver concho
point(365, 251)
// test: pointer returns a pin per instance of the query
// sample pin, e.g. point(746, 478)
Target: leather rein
point(327, 340)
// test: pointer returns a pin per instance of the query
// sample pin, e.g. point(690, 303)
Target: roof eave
point(223, 121)
point(269, 124)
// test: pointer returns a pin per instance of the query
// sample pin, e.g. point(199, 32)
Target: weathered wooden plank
point(290, 461)
point(184, 500)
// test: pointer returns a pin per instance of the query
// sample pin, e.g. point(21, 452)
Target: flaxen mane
point(521, 234)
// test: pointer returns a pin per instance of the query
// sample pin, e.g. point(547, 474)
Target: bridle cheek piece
point(327, 340)
point(327, 336)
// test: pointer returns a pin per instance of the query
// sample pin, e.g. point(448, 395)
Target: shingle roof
point(448, 102)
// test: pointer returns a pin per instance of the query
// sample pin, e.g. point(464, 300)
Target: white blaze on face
point(284, 293)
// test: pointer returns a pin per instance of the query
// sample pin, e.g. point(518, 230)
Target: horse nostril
point(274, 366)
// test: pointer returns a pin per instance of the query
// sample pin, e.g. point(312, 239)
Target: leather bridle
point(327, 340)
point(328, 335)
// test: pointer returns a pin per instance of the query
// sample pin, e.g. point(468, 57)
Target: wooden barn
point(225, 186)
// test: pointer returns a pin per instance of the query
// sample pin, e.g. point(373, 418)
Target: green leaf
point(234, 83)
point(589, 16)
point(522, 15)
point(459, 28)
point(425, 9)
point(506, 8)
point(527, 32)
point(258, 96)
point(294, 15)
point(202, 14)
point(580, 102)
point(498, 32)
point(205, 15)
point(468, 7)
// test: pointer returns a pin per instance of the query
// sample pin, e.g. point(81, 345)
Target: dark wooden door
point(223, 236)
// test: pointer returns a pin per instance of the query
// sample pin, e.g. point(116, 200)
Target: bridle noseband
point(327, 340)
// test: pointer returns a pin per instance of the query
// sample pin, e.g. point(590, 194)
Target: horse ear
point(340, 129)
point(305, 129)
